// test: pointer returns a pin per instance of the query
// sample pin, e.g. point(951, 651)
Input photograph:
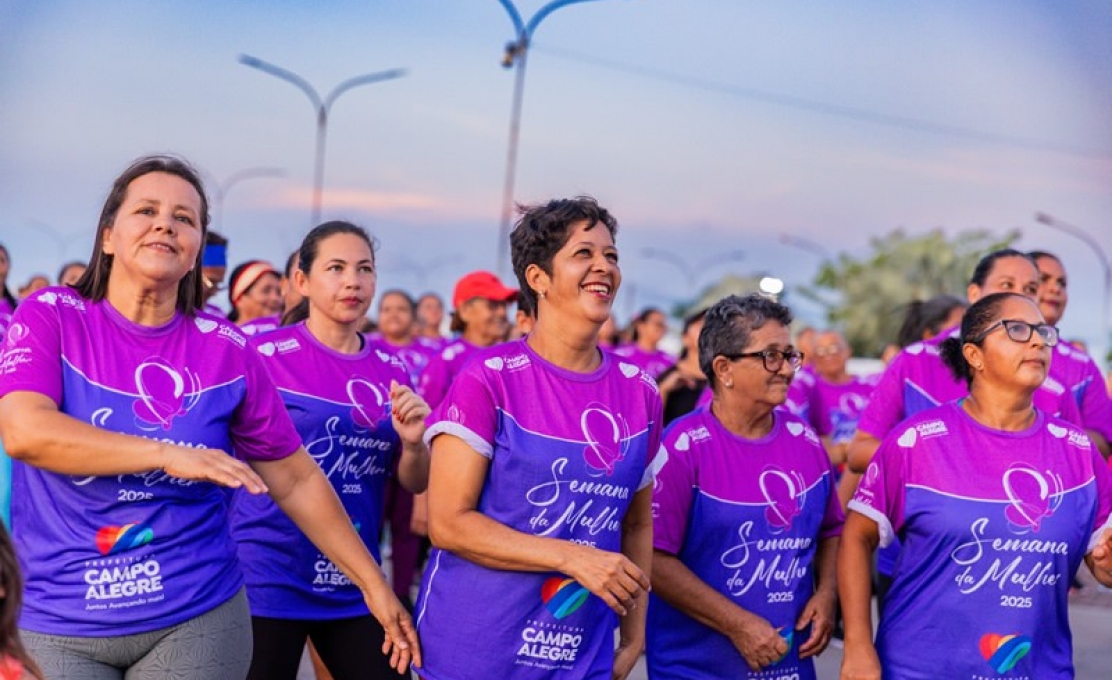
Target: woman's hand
point(1100, 559)
point(401, 642)
point(610, 575)
point(758, 642)
point(210, 465)
point(819, 613)
point(625, 657)
point(860, 662)
point(409, 412)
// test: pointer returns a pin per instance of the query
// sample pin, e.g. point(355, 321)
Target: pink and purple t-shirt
point(567, 452)
point(837, 407)
point(131, 553)
point(340, 405)
point(745, 516)
point(1076, 371)
point(415, 355)
point(263, 324)
point(654, 363)
point(442, 369)
point(993, 524)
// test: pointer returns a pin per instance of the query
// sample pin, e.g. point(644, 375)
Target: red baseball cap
point(481, 284)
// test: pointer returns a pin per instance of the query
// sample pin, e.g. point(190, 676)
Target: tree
point(866, 297)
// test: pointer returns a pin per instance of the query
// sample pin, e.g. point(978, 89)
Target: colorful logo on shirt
point(1032, 496)
point(563, 596)
point(784, 493)
point(162, 393)
point(1003, 652)
point(115, 540)
point(368, 403)
point(788, 633)
point(607, 439)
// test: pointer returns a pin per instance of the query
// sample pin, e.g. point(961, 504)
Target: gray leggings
point(213, 646)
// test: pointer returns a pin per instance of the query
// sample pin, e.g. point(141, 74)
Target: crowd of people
point(200, 493)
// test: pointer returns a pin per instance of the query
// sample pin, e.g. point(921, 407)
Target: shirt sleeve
point(834, 518)
point(886, 405)
point(673, 490)
point(469, 411)
point(434, 381)
point(881, 493)
point(261, 427)
point(31, 355)
point(656, 420)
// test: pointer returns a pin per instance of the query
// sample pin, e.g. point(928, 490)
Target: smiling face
point(1002, 362)
point(1053, 295)
point(585, 277)
point(485, 321)
point(341, 281)
point(156, 236)
point(651, 329)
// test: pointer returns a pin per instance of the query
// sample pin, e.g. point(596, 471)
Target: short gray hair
point(729, 323)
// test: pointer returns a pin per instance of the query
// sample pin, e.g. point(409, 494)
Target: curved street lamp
point(322, 107)
point(514, 57)
point(692, 271)
point(220, 190)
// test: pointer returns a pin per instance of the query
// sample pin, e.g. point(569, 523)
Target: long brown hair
point(10, 604)
point(93, 284)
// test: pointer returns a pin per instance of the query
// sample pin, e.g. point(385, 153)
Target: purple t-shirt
point(993, 526)
point(442, 369)
point(340, 404)
point(800, 392)
point(263, 324)
point(918, 379)
point(1076, 371)
point(567, 452)
point(415, 355)
point(836, 408)
point(131, 553)
point(745, 516)
point(654, 363)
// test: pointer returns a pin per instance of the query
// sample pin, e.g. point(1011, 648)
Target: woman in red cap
point(255, 291)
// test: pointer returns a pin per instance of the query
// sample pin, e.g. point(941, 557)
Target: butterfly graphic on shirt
point(164, 392)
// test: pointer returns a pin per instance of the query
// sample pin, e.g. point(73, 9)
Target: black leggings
point(349, 648)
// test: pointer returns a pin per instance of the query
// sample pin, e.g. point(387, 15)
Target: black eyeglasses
point(1021, 331)
point(772, 359)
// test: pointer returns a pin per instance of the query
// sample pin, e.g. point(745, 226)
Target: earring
point(727, 383)
point(540, 295)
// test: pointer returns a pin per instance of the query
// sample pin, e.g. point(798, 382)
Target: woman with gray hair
point(745, 516)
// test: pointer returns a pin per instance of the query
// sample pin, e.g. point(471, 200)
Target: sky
point(708, 127)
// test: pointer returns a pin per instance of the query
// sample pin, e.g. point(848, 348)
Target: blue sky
point(705, 125)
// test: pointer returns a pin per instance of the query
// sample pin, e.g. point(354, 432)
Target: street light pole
point(805, 244)
point(1077, 232)
point(515, 57)
point(221, 190)
point(322, 108)
point(691, 272)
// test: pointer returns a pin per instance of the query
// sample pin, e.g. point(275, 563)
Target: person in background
point(479, 319)
point(357, 418)
point(291, 296)
point(255, 293)
point(430, 315)
point(838, 398)
point(33, 285)
point(131, 416)
point(70, 273)
point(996, 502)
point(1072, 367)
point(397, 332)
point(649, 328)
point(15, 662)
point(609, 337)
point(682, 385)
point(803, 386)
point(214, 267)
point(541, 484)
point(745, 491)
point(925, 319)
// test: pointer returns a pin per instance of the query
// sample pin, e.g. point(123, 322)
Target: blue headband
point(215, 256)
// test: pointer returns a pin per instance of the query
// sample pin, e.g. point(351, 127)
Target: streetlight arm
point(543, 12)
point(288, 76)
point(515, 17)
point(672, 259)
point(365, 79)
point(722, 258)
point(1055, 223)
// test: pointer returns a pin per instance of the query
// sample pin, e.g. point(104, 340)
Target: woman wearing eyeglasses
point(746, 519)
point(996, 502)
